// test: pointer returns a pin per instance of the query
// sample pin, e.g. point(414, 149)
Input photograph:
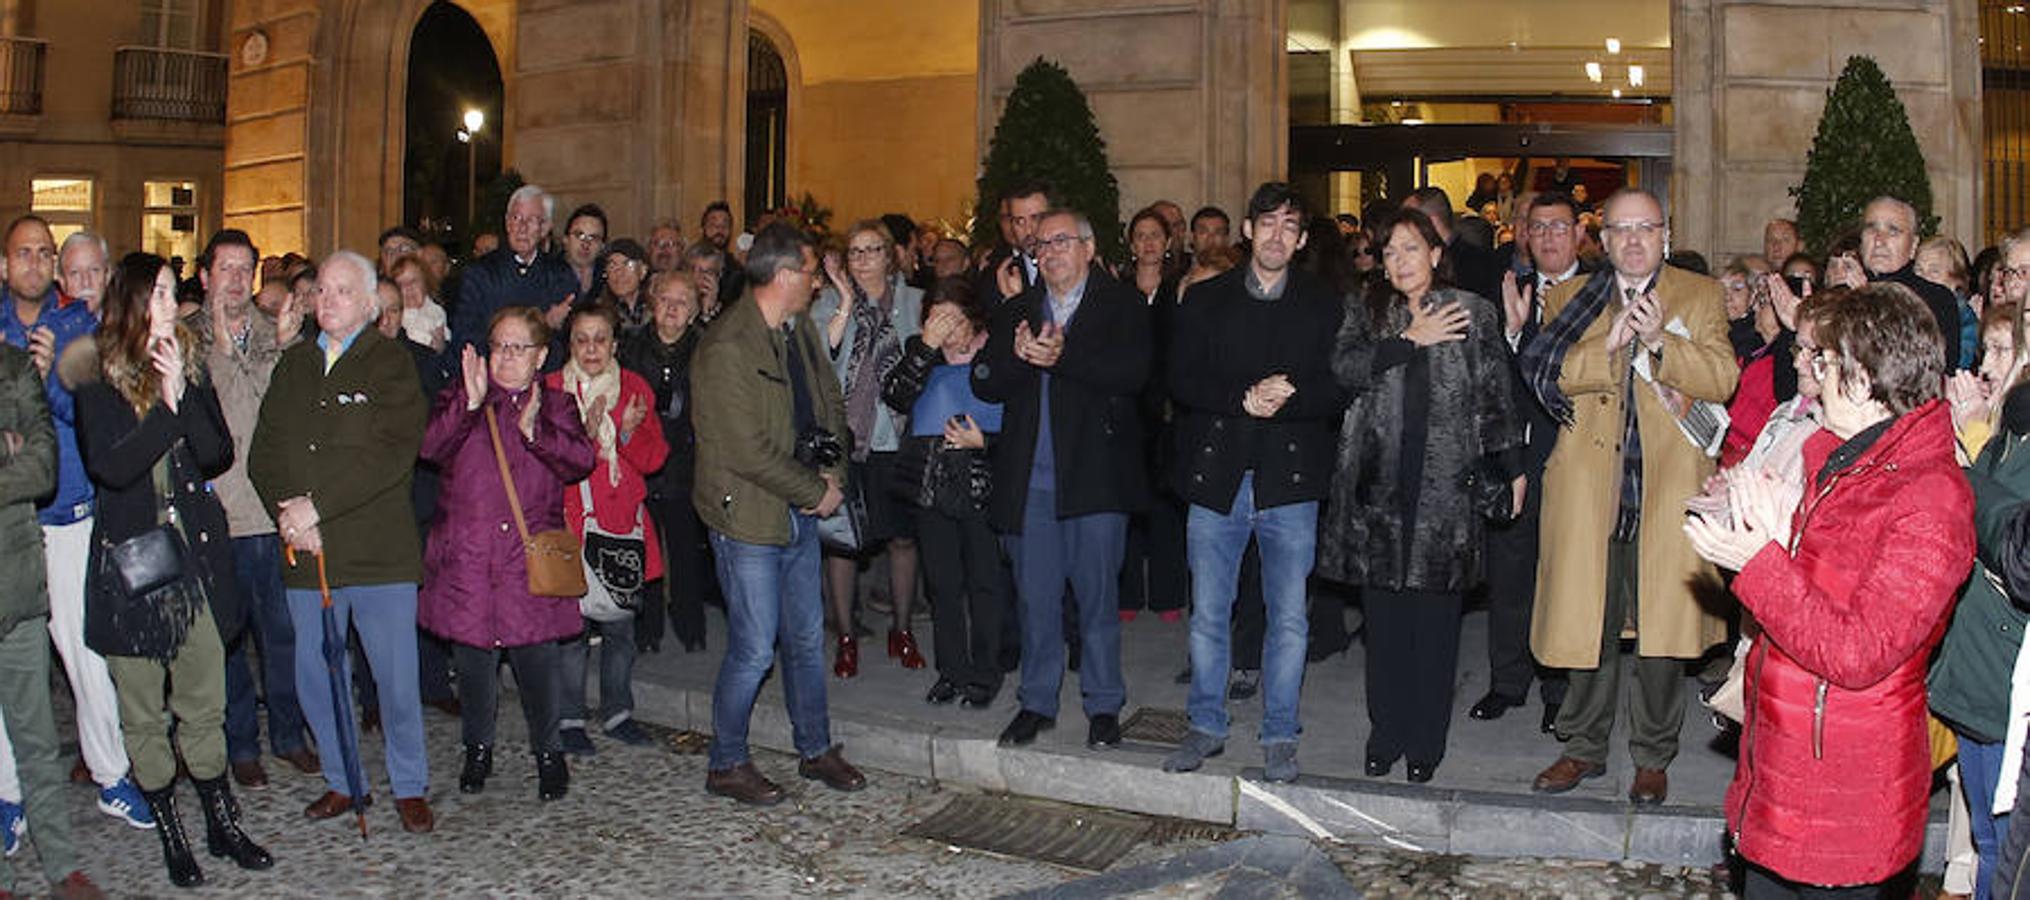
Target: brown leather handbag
point(556, 566)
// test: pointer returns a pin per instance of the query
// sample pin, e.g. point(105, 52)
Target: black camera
point(820, 449)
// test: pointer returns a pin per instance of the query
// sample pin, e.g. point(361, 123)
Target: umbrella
point(341, 705)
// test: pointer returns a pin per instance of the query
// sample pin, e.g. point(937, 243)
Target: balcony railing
point(175, 85)
point(21, 76)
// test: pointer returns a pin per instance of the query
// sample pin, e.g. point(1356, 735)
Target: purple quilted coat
point(475, 579)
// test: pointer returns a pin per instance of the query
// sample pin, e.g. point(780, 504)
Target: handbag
point(1488, 494)
point(616, 566)
point(845, 530)
point(555, 565)
point(155, 589)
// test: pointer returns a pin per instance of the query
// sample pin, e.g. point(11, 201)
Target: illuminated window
point(65, 202)
point(169, 219)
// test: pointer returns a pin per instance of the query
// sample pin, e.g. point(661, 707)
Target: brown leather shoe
point(304, 759)
point(1650, 787)
point(331, 805)
point(415, 813)
point(832, 768)
point(744, 783)
point(1565, 774)
point(247, 773)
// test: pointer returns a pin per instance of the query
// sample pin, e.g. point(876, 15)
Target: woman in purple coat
point(476, 588)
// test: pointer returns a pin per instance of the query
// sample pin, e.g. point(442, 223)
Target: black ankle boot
point(183, 870)
point(478, 768)
point(553, 779)
point(222, 834)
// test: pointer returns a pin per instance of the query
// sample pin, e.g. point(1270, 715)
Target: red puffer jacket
point(1834, 766)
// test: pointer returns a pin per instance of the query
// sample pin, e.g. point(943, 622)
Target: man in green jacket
point(772, 446)
point(27, 473)
point(333, 454)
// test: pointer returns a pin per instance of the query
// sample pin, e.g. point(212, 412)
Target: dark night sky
point(451, 68)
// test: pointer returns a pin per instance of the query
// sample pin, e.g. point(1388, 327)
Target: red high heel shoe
point(896, 640)
point(911, 657)
point(847, 664)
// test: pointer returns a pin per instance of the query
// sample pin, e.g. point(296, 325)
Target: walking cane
point(341, 707)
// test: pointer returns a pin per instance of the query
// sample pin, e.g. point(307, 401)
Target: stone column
point(267, 108)
point(1750, 82)
point(1192, 96)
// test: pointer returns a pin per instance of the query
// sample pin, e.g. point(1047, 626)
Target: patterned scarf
point(1544, 360)
point(875, 351)
point(589, 389)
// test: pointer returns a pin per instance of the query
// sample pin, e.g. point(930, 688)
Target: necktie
point(332, 352)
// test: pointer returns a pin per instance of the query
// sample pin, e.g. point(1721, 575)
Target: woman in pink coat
point(620, 545)
point(475, 588)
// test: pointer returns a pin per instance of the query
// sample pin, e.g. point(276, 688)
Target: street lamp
point(469, 136)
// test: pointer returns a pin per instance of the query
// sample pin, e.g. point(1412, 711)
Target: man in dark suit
point(1067, 357)
point(1012, 268)
point(1550, 232)
point(517, 274)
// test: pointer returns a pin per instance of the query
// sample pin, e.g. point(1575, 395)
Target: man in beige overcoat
point(1614, 555)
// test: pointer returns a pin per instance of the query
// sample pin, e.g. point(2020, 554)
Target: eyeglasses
point(1559, 229)
point(866, 252)
point(1625, 230)
point(1062, 242)
point(512, 348)
point(2016, 272)
point(1820, 364)
point(587, 237)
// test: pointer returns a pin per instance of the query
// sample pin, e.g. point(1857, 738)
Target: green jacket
point(1969, 683)
point(348, 440)
point(748, 478)
point(26, 475)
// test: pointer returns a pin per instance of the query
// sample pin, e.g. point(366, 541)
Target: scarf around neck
point(589, 389)
point(875, 351)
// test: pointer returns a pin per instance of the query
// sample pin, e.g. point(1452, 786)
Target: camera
point(819, 449)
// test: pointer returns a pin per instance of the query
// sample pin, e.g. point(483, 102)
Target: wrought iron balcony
point(173, 85)
point(21, 62)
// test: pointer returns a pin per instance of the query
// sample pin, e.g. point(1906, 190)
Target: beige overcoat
point(1583, 480)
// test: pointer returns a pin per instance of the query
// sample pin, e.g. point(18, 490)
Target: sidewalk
point(1479, 803)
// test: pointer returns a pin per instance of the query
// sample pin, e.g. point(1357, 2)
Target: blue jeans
point(772, 596)
point(1288, 537)
point(257, 561)
point(616, 672)
point(1980, 771)
point(385, 616)
point(1087, 551)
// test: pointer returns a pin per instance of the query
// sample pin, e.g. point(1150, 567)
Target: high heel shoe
point(896, 637)
point(911, 657)
point(847, 664)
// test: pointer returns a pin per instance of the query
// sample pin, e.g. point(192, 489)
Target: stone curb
point(1408, 817)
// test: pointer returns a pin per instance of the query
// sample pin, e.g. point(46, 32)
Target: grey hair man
point(1889, 239)
point(518, 274)
point(81, 268)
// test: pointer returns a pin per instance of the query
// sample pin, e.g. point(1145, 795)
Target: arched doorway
point(767, 169)
point(452, 71)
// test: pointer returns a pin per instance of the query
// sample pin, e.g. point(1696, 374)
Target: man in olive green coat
point(333, 455)
point(28, 473)
point(765, 400)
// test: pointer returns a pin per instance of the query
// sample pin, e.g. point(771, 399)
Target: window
point(65, 202)
point(169, 24)
point(169, 219)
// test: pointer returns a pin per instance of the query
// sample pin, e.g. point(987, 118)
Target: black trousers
point(1412, 659)
point(1763, 884)
point(538, 674)
point(690, 583)
point(1511, 592)
point(1154, 574)
point(963, 573)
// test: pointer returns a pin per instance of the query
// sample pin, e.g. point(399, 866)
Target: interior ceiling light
point(1635, 76)
point(1614, 45)
point(1593, 72)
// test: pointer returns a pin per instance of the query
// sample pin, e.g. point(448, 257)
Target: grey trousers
point(31, 726)
point(1656, 708)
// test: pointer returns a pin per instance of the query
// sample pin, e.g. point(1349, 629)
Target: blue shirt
point(324, 341)
point(73, 499)
point(947, 393)
point(1043, 466)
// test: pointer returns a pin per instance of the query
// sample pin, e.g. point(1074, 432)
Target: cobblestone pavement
point(637, 823)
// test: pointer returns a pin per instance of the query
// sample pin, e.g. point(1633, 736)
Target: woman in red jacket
point(609, 513)
point(1851, 591)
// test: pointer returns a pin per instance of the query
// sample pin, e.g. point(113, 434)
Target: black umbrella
point(341, 706)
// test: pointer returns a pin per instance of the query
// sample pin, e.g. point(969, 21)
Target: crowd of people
point(1794, 481)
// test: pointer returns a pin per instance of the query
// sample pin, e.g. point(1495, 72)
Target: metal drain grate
point(1154, 725)
point(680, 741)
point(1085, 839)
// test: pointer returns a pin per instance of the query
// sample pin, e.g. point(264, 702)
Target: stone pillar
point(1750, 82)
point(1192, 97)
point(267, 109)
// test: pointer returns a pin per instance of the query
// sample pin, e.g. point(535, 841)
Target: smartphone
point(1797, 283)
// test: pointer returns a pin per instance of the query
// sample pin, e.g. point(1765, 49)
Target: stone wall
point(1191, 96)
point(1751, 81)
